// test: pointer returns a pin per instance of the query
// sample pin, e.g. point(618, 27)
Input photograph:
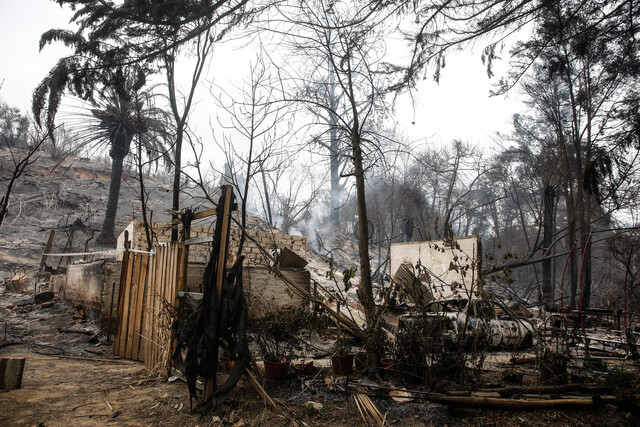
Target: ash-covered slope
point(57, 193)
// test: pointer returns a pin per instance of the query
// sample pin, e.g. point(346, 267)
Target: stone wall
point(200, 253)
point(194, 277)
point(96, 285)
point(264, 288)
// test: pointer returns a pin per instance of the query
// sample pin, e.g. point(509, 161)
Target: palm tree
point(124, 114)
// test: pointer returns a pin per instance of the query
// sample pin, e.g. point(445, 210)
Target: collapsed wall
point(270, 290)
point(199, 253)
point(256, 263)
point(96, 284)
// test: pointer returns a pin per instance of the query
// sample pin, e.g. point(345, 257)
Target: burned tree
point(23, 150)
point(123, 114)
point(333, 45)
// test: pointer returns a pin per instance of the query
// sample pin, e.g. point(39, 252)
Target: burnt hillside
point(58, 193)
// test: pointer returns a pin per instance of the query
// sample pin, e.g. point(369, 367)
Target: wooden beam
point(224, 241)
point(256, 384)
point(199, 240)
point(517, 404)
point(205, 213)
point(132, 308)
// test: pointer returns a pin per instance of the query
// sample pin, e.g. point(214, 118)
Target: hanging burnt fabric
point(214, 324)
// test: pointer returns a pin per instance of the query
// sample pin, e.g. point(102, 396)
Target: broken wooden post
point(11, 370)
point(68, 247)
point(126, 264)
point(47, 249)
point(210, 384)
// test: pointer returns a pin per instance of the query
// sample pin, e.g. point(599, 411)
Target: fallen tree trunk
point(492, 402)
point(510, 391)
point(520, 404)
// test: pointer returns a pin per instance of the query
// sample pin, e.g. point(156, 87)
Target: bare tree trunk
point(20, 165)
point(586, 299)
point(334, 145)
point(447, 232)
point(334, 161)
point(175, 205)
point(267, 198)
point(586, 272)
point(107, 236)
point(583, 232)
point(143, 198)
point(365, 288)
point(573, 258)
point(547, 284)
point(579, 212)
point(202, 47)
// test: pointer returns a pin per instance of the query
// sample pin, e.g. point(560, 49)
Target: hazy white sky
point(22, 67)
point(459, 107)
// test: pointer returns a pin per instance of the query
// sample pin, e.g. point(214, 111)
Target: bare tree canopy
point(441, 26)
point(113, 34)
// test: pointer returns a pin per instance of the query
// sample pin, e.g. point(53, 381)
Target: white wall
point(439, 258)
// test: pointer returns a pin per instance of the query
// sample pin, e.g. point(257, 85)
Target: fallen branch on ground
point(75, 331)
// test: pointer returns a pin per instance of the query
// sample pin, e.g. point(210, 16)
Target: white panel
point(445, 262)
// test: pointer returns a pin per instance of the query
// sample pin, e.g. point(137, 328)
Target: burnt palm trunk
point(107, 235)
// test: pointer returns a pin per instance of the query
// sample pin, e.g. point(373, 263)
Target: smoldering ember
point(303, 244)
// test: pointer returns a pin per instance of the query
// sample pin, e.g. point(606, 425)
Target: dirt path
point(70, 380)
point(72, 392)
point(64, 392)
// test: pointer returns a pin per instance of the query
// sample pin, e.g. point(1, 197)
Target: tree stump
point(11, 370)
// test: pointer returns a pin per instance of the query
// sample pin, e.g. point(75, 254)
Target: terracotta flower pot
point(275, 370)
point(342, 365)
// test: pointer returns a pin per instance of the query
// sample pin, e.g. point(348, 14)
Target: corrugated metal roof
point(290, 259)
